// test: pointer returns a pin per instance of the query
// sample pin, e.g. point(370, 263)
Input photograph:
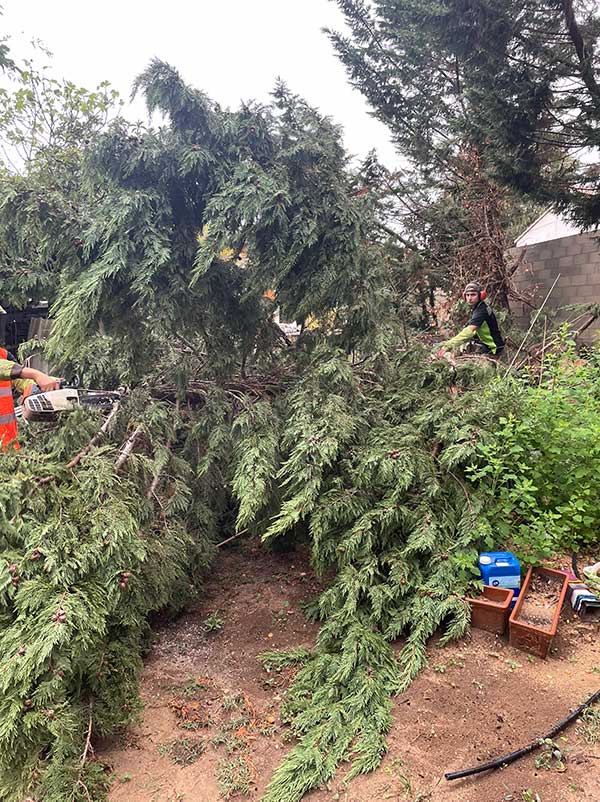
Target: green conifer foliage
point(84, 560)
point(195, 221)
point(515, 81)
point(340, 438)
point(369, 465)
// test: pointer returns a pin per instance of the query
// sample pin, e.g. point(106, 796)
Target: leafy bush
point(540, 471)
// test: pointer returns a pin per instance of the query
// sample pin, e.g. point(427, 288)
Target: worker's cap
point(474, 286)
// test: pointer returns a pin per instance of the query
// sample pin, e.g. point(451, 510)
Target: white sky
point(231, 49)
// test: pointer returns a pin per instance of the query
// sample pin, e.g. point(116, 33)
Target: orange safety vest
point(8, 421)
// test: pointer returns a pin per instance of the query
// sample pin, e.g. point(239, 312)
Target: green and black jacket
point(487, 333)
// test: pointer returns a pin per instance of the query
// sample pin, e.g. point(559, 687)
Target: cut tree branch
point(128, 447)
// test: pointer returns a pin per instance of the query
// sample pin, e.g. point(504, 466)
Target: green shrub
point(540, 471)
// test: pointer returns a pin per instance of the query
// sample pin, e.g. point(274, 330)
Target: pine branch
point(585, 58)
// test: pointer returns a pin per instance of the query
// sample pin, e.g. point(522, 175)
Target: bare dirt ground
point(211, 728)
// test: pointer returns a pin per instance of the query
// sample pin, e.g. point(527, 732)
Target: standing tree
point(45, 125)
point(538, 104)
point(442, 76)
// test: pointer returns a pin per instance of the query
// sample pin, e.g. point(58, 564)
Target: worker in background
point(482, 327)
point(18, 379)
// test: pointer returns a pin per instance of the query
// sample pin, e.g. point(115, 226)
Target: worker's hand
point(446, 355)
point(45, 382)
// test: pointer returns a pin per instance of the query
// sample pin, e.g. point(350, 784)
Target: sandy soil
point(479, 699)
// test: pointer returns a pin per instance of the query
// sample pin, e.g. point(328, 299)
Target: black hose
point(510, 758)
point(574, 565)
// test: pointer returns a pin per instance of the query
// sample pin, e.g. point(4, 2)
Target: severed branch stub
point(128, 447)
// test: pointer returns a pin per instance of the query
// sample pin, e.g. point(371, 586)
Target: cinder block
point(589, 243)
point(581, 280)
point(591, 272)
point(560, 298)
point(590, 258)
point(573, 246)
point(587, 294)
point(565, 262)
point(560, 244)
point(550, 265)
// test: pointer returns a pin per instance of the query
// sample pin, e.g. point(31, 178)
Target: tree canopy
point(517, 82)
point(45, 126)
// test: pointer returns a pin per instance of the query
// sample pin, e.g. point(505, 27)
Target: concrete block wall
point(576, 258)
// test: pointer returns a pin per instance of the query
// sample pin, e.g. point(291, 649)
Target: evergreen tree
point(194, 222)
point(415, 71)
point(184, 228)
point(477, 95)
point(514, 83)
point(540, 102)
point(202, 218)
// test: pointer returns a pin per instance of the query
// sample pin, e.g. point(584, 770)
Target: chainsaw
point(39, 406)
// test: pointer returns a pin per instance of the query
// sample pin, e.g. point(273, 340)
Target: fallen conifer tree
point(342, 439)
point(365, 466)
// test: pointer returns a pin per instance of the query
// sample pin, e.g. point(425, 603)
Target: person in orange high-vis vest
point(15, 377)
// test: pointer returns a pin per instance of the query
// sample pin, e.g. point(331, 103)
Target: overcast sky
point(232, 49)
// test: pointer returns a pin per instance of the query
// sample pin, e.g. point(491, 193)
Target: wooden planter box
point(490, 610)
point(534, 620)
